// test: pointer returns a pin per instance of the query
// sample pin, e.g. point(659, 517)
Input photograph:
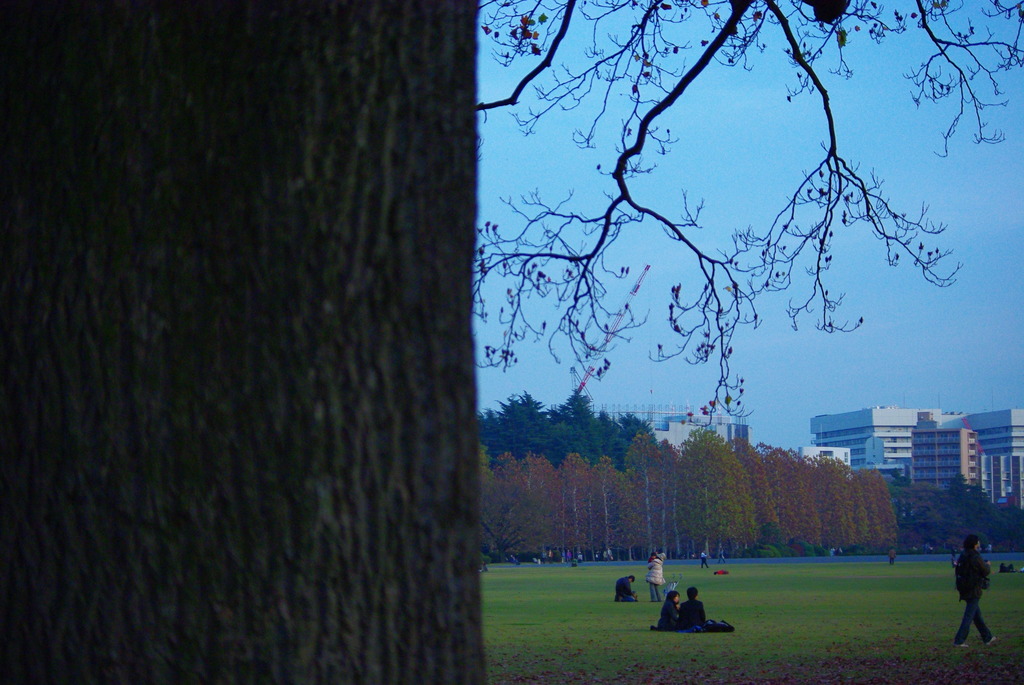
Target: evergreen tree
point(521, 427)
point(574, 430)
point(629, 426)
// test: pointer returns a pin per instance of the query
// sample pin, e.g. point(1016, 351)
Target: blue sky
point(742, 149)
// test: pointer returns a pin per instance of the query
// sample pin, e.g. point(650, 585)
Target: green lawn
point(817, 622)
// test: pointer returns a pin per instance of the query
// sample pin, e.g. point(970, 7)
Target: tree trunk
point(237, 412)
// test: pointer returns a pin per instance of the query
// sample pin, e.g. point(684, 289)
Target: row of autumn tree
point(704, 494)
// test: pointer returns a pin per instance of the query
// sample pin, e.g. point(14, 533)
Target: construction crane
point(613, 327)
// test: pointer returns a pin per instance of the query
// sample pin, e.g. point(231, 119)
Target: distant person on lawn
point(655, 575)
point(624, 589)
point(972, 573)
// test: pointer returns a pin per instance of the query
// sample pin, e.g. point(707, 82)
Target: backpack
point(967, 578)
point(962, 573)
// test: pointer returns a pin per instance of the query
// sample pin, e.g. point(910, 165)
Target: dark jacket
point(623, 588)
point(669, 616)
point(691, 613)
point(971, 563)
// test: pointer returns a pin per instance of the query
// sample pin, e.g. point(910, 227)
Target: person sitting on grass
point(688, 617)
point(669, 619)
point(624, 589)
point(691, 612)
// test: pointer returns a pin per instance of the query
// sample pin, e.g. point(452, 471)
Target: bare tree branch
point(545, 63)
point(942, 76)
point(638, 50)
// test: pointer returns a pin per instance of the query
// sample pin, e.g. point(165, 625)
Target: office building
point(840, 453)
point(1001, 448)
point(674, 423)
point(940, 454)
point(676, 428)
point(877, 437)
point(883, 438)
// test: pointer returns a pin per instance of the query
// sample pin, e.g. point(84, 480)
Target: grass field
point(842, 623)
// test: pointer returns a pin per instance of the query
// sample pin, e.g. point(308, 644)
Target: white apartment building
point(675, 422)
point(877, 437)
point(881, 438)
point(677, 428)
point(840, 453)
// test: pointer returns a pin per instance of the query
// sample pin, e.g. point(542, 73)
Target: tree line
point(932, 517)
point(566, 478)
point(706, 494)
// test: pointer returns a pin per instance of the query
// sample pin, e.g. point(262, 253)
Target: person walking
point(892, 556)
point(704, 560)
point(971, 578)
point(655, 575)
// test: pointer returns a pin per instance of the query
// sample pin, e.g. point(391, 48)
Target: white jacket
point(654, 570)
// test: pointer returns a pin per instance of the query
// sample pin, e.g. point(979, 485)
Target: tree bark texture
point(237, 411)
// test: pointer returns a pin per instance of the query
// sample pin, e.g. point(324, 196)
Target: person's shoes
point(990, 640)
point(962, 644)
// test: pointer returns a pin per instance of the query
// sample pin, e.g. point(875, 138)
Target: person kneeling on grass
point(624, 589)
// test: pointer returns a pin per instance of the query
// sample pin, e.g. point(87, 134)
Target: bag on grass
point(717, 627)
